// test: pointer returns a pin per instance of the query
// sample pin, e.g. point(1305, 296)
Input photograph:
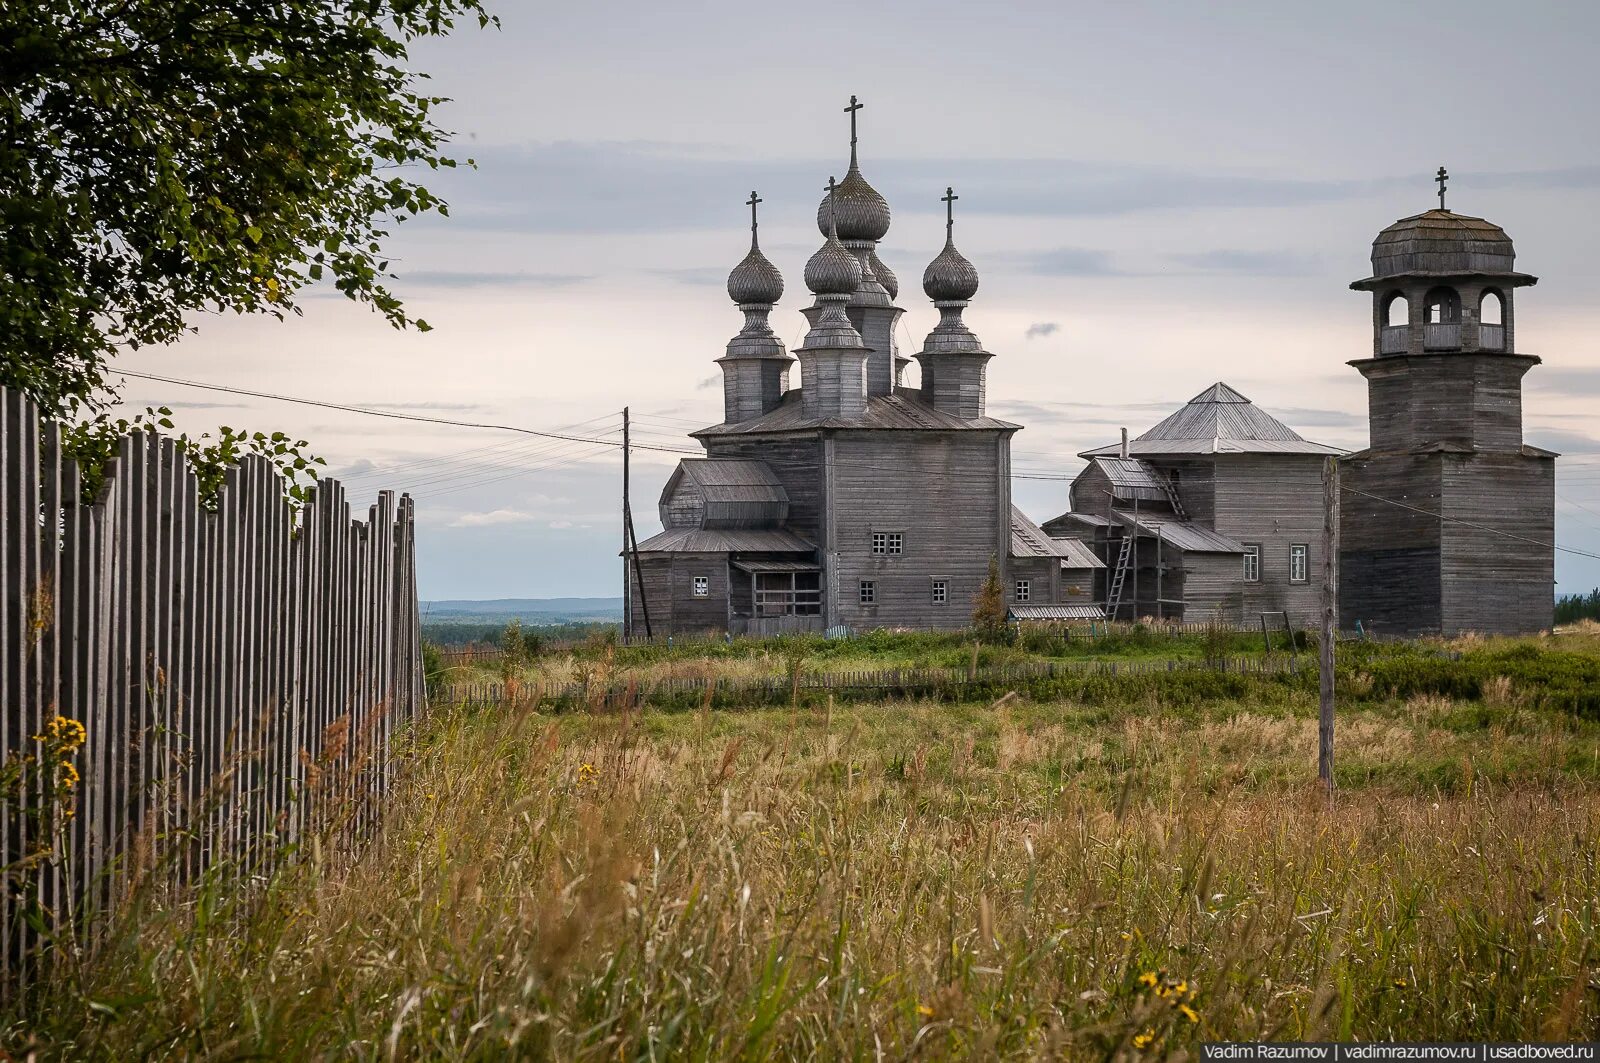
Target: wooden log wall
point(238, 672)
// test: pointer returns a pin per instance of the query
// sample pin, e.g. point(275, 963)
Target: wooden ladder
point(1119, 576)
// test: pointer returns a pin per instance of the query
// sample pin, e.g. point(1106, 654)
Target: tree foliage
point(165, 157)
point(1571, 608)
point(93, 444)
point(989, 607)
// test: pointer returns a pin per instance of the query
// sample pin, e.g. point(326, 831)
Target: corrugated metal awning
point(1057, 612)
point(1186, 535)
point(776, 566)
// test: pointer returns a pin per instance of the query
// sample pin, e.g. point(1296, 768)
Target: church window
point(702, 586)
point(941, 591)
point(1492, 309)
point(1024, 590)
point(869, 592)
point(1444, 307)
point(1299, 563)
point(1252, 562)
point(895, 542)
point(1396, 311)
point(887, 543)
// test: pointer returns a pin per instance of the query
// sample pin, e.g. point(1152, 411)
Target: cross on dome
point(1442, 177)
point(949, 201)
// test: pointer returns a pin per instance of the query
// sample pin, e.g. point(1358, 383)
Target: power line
point(384, 413)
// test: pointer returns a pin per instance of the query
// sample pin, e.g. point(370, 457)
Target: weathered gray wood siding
point(1495, 579)
point(1209, 586)
point(685, 507)
point(947, 493)
point(1470, 400)
point(797, 462)
point(1044, 580)
point(1090, 493)
point(669, 583)
point(1274, 500)
point(1389, 556)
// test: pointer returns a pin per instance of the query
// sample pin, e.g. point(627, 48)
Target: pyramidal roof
point(1219, 420)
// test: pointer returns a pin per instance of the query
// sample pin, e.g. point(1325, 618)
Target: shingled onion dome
point(950, 281)
point(755, 284)
point(755, 279)
point(833, 270)
point(950, 277)
point(858, 212)
point(832, 274)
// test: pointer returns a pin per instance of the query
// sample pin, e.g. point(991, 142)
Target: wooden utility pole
point(630, 550)
point(1330, 622)
point(627, 556)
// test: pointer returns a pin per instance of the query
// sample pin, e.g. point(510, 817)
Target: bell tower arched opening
point(1441, 320)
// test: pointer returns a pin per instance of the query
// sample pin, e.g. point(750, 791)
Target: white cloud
point(493, 516)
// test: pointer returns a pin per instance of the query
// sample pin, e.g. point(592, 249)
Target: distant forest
point(1571, 607)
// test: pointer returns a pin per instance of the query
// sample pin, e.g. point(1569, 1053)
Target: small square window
point(895, 541)
point(1252, 562)
point(941, 591)
point(880, 543)
point(1024, 589)
point(1299, 563)
point(702, 586)
point(869, 591)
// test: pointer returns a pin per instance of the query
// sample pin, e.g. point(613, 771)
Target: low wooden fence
point(951, 683)
point(183, 685)
point(1075, 632)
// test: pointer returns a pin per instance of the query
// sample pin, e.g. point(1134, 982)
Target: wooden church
point(1447, 519)
point(851, 500)
point(1215, 513)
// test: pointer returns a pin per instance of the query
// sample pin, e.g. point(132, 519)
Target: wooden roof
point(1219, 420)
point(904, 410)
point(731, 480)
point(1185, 535)
point(726, 540)
point(1030, 540)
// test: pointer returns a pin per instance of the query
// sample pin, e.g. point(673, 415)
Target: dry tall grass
point(898, 881)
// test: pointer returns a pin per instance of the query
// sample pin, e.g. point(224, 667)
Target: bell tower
point(1447, 519)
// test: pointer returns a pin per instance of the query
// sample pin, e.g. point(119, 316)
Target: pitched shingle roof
point(1219, 420)
point(904, 409)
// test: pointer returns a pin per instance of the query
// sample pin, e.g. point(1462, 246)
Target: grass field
point(1031, 880)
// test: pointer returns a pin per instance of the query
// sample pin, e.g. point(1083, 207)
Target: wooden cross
point(949, 200)
point(1441, 177)
point(751, 202)
point(832, 184)
point(855, 106)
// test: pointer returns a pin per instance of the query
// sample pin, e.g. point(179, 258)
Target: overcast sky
point(1156, 196)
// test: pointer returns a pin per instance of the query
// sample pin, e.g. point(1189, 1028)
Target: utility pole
point(627, 558)
point(1330, 622)
point(630, 550)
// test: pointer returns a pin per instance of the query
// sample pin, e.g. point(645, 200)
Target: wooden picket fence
point(238, 672)
point(954, 683)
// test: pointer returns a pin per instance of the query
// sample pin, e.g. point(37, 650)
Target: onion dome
point(833, 270)
point(885, 275)
point(755, 279)
point(860, 212)
point(950, 277)
point(855, 210)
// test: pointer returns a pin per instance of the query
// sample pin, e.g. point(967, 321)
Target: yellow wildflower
point(925, 1011)
point(1189, 1013)
point(1144, 1040)
point(1148, 979)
